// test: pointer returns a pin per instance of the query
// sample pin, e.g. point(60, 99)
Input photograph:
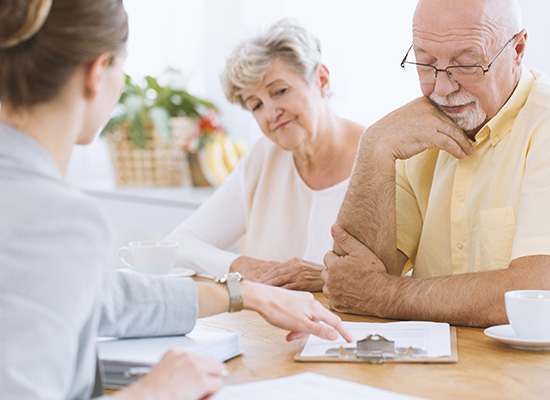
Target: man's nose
point(443, 85)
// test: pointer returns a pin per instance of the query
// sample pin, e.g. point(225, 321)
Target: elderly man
point(457, 182)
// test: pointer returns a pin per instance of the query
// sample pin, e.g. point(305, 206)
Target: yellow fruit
point(241, 147)
point(230, 157)
point(211, 160)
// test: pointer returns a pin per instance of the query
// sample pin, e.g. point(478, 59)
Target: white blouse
point(266, 199)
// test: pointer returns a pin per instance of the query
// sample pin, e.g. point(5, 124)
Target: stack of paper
point(431, 338)
point(123, 358)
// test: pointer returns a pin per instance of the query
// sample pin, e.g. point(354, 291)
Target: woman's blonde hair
point(42, 42)
point(250, 60)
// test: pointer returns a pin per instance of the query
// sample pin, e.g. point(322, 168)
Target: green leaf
point(161, 120)
point(111, 125)
point(137, 131)
point(135, 105)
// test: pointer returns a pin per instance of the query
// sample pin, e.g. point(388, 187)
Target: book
point(125, 360)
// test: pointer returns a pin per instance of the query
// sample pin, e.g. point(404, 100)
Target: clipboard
point(378, 351)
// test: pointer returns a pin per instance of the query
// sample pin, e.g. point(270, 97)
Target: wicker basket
point(157, 164)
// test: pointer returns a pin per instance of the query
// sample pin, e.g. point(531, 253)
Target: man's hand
point(349, 278)
point(415, 127)
point(252, 268)
point(296, 274)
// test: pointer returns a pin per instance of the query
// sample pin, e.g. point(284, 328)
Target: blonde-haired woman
point(285, 194)
point(60, 76)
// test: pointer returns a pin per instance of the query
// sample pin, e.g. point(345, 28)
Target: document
point(125, 360)
point(305, 386)
point(432, 338)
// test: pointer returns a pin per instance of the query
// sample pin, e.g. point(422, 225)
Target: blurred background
point(363, 43)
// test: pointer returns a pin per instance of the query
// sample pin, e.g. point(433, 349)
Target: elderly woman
point(286, 192)
point(60, 75)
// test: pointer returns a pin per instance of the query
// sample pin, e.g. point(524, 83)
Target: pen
point(138, 372)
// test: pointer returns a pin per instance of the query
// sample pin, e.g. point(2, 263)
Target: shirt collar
point(501, 124)
point(23, 152)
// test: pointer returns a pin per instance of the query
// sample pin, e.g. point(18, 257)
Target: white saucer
point(176, 271)
point(505, 334)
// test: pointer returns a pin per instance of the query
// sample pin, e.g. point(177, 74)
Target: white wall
point(363, 43)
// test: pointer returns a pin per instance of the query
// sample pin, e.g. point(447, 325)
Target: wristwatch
point(233, 282)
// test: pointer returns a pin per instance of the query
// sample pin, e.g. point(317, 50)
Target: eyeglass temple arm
point(501, 50)
point(404, 58)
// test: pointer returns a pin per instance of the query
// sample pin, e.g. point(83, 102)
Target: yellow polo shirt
point(479, 213)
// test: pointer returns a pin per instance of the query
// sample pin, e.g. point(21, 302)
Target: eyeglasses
point(465, 74)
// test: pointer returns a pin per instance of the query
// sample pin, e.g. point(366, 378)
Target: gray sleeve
point(137, 305)
point(50, 276)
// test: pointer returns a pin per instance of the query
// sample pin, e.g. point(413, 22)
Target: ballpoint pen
point(137, 372)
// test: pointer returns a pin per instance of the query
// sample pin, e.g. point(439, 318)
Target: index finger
point(276, 273)
point(329, 258)
point(459, 137)
point(334, 321)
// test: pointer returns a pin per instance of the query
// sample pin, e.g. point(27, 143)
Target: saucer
point(176, 271)
point(505, 334)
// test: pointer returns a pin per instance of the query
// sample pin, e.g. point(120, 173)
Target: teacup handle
point(121, 252)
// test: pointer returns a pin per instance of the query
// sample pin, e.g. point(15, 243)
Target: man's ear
point(519, 47)
point(323, 80)
point(95, 75)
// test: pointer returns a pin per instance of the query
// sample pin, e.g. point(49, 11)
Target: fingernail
point(333, 335)
point(337, 228)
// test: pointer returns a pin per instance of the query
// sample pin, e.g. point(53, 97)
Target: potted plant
point(147, 131)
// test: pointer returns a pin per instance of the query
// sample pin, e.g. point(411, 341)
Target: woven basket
point(158, 164)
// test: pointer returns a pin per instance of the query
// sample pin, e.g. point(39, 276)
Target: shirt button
point(460, 246)
point(461, 198)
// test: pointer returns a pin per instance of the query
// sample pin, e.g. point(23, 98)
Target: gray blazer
point(55, 296)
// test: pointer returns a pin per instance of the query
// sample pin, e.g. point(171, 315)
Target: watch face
point(237, 275)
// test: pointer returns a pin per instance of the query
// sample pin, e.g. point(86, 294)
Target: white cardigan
point(266, 199)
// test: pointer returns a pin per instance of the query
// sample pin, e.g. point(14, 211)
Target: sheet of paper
point(305, 386)
point(433, 337)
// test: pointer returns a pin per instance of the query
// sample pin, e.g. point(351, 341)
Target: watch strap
point(235, 294)
point(233, 282)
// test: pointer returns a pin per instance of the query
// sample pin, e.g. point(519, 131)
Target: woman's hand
point(252, 268)
point(298, 312)
point(296, 274)
point(177, 376)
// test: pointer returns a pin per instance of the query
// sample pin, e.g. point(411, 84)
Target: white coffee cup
point(155, 257)
point(529, 313)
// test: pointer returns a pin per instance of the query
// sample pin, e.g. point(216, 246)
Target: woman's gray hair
point(250, 60)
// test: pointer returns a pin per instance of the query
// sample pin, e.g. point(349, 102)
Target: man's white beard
point(469, 119)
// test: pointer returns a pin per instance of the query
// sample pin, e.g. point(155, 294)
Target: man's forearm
point(368, 210)
point(475, 299)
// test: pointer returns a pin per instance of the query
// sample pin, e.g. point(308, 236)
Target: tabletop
point(486, 369)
